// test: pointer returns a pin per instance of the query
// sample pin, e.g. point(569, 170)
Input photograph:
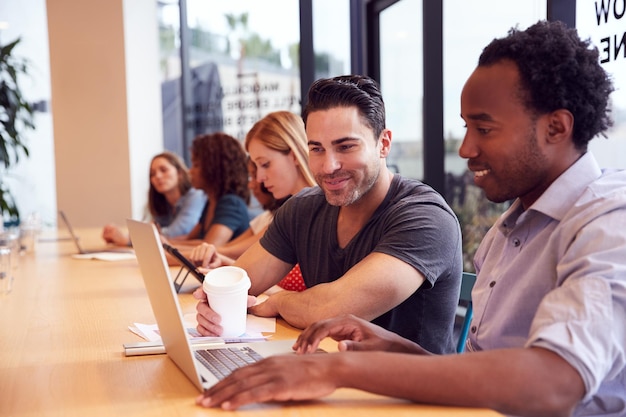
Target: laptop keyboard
point(221, 362)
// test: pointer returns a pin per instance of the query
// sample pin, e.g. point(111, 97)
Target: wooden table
point(61, 335)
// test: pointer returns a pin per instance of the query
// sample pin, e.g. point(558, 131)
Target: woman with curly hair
point(218, 167)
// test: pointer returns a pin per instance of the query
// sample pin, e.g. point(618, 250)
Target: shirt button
point(516, 242)
point(473, 329)
point(492, 284)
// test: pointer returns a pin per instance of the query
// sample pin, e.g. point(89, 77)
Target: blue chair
point(467, 283)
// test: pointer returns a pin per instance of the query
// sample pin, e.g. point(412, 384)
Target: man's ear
point(385, 143)
point(560, 126)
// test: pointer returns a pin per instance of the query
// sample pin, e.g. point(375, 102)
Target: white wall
point(143, 91)
point(106, 106)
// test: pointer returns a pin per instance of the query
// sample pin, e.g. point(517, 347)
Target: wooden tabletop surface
point(61, 334)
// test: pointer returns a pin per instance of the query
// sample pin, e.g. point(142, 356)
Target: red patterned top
point(293, 280)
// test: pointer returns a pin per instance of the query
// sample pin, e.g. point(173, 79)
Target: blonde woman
point(277, 145)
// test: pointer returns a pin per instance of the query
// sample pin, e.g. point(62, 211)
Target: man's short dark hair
point(357, 91)
point(557, 70)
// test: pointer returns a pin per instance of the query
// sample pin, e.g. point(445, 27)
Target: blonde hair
point(284, 132)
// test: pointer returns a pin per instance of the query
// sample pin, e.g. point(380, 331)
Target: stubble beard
point(344, 198)
point(521, 177)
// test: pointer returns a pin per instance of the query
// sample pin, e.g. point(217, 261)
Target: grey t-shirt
point(413, 224)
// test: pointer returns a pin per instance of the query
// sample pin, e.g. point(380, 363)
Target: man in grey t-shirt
point(368, 242)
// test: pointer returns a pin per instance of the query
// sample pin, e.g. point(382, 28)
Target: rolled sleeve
point(578, 321)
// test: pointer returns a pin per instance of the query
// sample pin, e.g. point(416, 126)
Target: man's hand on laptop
point(354, 333)
point(278, 378)
point(209, 320)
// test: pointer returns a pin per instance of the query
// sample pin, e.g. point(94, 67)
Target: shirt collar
point(567, 188)
point(559, 197)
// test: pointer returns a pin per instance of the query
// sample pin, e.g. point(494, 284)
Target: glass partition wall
point(466, 31)
point(239, 60)
point(238, 64)
point(605, 24)
point(402, 84)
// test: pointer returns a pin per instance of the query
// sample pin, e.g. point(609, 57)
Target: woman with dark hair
point(173, 204)
point(218, 167)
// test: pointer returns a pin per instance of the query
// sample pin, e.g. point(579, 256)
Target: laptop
point(197, 362)
point(83, 251)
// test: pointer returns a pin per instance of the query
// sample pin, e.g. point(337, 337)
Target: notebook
point(83, 251)
point(190, 358)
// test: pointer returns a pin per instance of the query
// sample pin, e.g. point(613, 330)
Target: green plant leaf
point(16, 118)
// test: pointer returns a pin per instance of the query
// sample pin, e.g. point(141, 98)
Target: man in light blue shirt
point(548, 335)
point(552, 277)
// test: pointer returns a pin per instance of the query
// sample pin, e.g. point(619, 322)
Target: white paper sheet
point(106, 256)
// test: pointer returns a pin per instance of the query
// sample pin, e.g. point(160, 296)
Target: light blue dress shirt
point(554, 276)
point(185, 216)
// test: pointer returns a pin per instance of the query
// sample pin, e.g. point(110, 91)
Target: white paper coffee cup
point(227, 288)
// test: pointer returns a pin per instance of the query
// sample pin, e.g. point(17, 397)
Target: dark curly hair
point(222, 161)
point(347, 91)
point(157, 203)
point(558, 70)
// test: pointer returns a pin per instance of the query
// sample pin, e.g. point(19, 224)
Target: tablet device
point(187, 267)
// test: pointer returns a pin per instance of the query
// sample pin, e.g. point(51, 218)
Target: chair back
point(467, 283)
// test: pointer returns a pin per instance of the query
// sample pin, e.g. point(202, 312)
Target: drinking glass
point(6, 276)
